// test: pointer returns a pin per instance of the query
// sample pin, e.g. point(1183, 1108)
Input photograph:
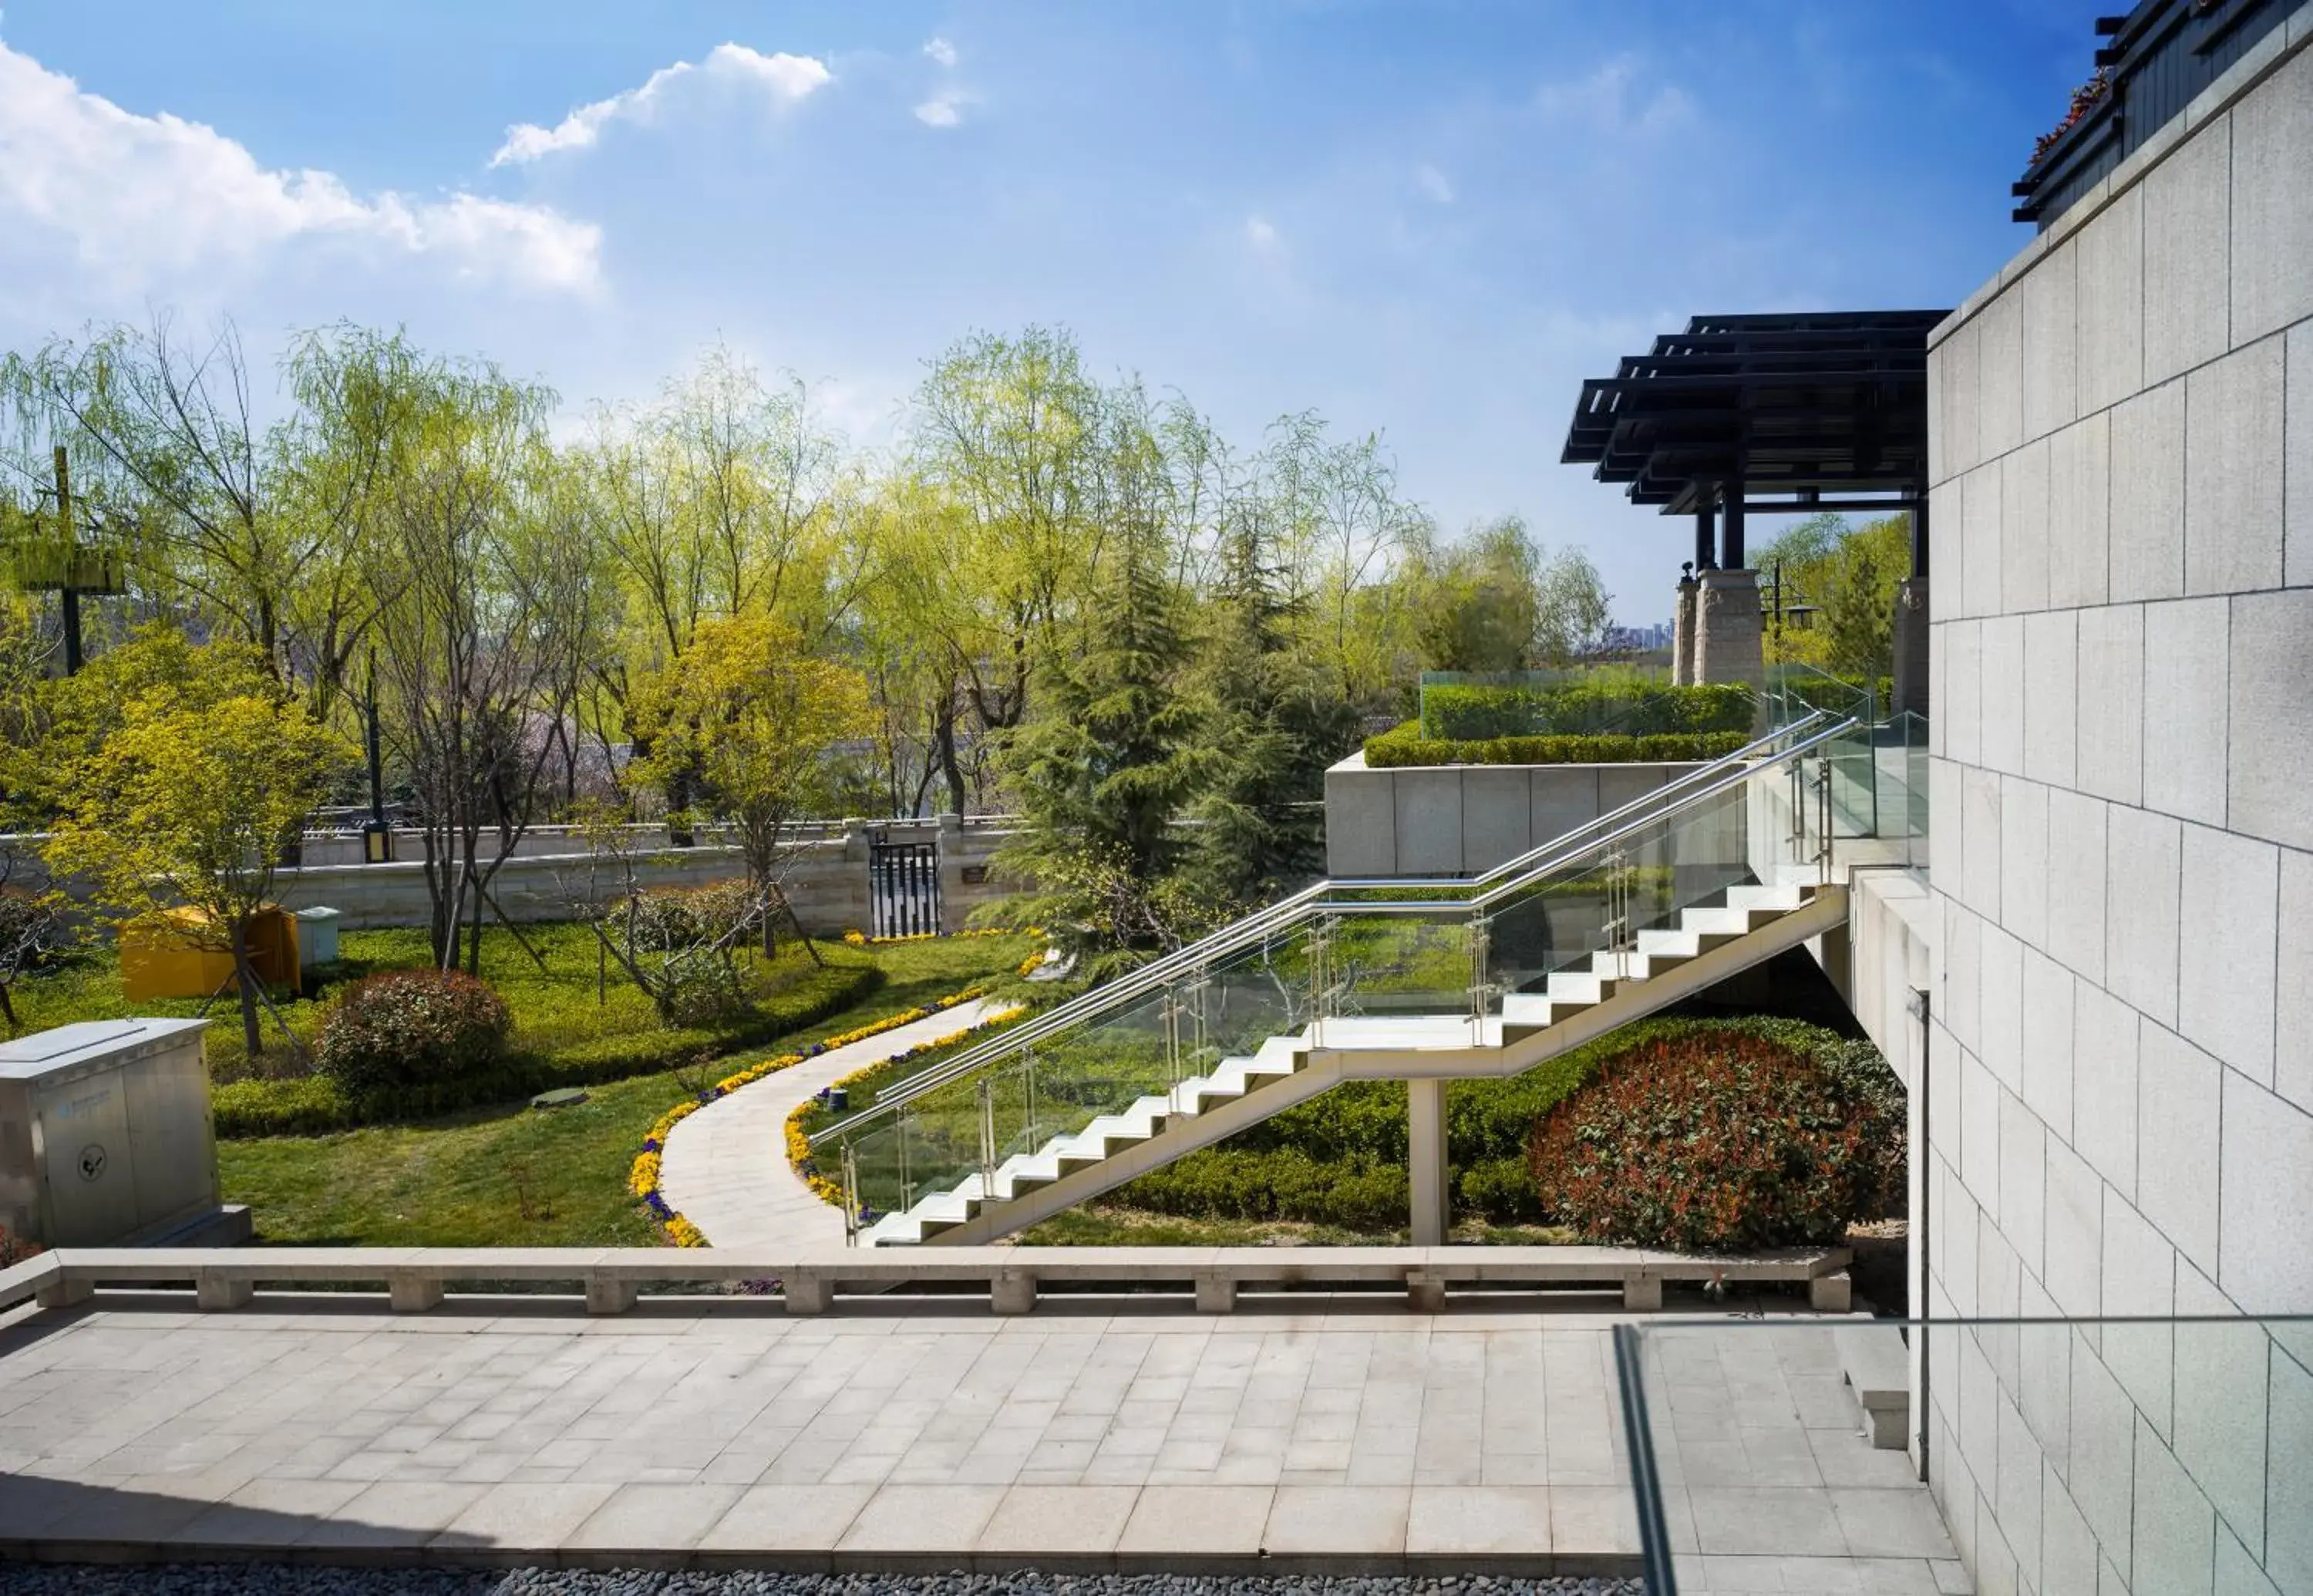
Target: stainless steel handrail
point(1552, 855)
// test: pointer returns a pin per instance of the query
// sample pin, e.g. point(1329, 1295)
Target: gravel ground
point(274, 1580)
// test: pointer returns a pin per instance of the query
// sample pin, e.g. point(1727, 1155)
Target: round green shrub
point(413, 1029)
point(1717, 1141)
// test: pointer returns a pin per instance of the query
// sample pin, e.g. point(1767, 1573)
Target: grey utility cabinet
point(106, 1135)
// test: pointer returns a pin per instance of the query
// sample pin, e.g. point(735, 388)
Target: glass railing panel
point(1841, 1438)
point(874, 1166)
point(1406, 965)
point(1257, 992)
point(1794, 691)
point(1105, 1066)
point(1851, 760)
point(1642, 881)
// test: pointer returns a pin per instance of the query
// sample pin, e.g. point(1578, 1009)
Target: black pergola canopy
point(1816, 408)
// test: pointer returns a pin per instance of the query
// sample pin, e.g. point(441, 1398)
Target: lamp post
point(377, 836)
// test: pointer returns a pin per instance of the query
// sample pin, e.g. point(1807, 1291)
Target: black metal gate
point(903, 895)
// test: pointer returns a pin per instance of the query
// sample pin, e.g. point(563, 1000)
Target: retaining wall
point(1460, 820)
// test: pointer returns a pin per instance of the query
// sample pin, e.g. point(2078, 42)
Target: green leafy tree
point(744, 722)
point(1847, 575)
point(1858, 597)
point(1571, 609)
point(1481, 599)
point(191, 799)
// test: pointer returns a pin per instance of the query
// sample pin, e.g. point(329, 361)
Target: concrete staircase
point(1754, 923)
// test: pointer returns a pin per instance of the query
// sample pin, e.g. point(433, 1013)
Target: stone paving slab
point(1336, 1435)
point(725, 1167)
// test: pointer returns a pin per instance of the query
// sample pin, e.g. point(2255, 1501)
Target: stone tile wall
point(2120, 1075)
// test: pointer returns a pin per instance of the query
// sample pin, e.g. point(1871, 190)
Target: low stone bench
point(1878, 1368)
point(612, 1278)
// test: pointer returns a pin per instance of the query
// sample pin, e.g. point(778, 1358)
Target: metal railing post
point(1483, 986)
point(987, 1139)
point(1321, 977)
point(1822, 822)
point(850, 1197)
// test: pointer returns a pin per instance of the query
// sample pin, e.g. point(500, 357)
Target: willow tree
point(487, 593)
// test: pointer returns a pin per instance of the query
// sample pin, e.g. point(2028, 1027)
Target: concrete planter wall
point(1459, 820)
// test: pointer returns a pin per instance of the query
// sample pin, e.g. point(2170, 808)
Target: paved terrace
point(1311, 1434)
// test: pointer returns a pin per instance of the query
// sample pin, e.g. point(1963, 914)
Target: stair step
point(1565, 993)
point(1785, 895)
point(1567, 986)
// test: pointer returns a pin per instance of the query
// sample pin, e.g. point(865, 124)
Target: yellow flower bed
point(859, 939)
point(643, 1178)
point(799, 1143)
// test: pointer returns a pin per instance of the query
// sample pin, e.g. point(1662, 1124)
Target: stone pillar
point(1729, 646)
point(1912, 646)
point(953, 910)
point(1425, 1154)
point(1682, 633)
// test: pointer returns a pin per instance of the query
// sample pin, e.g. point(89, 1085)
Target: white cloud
point(1262, 235)
point(943, 110)
point(940, 51)
point(1607, 101)
point(785, 79)
point(1433, 183)
point(134, 201)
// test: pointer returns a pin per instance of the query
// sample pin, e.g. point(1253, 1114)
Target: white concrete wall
point(1463, 819)
point(2120, 1074)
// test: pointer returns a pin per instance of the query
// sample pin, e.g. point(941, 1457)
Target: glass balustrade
point(1367, 963)
point(1778, 1452)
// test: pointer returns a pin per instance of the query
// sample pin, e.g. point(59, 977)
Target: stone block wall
point(827, 884)
point(1462, 820)
point(2120, 1049)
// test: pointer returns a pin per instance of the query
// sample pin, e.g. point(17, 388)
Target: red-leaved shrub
point(413, 1029)
point(1720, 1140)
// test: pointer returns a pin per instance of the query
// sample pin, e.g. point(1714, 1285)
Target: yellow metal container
point(176, 955)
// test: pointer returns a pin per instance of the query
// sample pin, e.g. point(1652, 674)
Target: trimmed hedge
point(1478, 713)
point(315, 1105)
point(1405, 745)
point(1727, 1142)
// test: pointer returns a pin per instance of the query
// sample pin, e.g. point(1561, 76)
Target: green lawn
point(515, 1177)
point(558, 1010)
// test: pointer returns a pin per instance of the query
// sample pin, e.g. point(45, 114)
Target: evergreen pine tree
point(1101, 771)
point(1273, 722)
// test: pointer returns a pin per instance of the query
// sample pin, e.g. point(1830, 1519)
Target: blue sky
point(1427, 220)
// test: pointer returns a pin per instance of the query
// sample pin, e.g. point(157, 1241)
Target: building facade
point(2120, 1017)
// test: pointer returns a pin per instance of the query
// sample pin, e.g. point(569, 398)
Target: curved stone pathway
point(726, 1167)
